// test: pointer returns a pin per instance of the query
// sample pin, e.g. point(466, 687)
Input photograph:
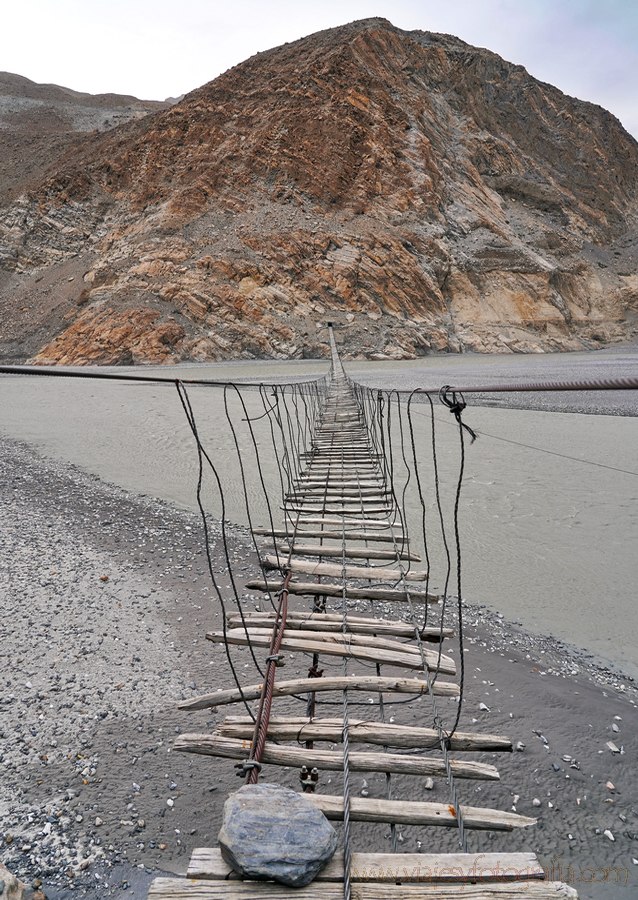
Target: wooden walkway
point(343, 540)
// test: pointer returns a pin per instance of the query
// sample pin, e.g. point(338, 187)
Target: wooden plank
point(347, 522)
point(326, 465)
point(338, 450)
point(336, 456)
point(337, 483)
point(349, 639)
point(374, 654)
point(277, 754)
point(311, 588)
point(167, 888)
point(299, 493)
point(335, 508)
point(376, 492)
point(339, 486)
point(367, 683)
point(349, 552)
point(372, 536)
point(329, 622)
point(333, 570)
point(342, 470)
point(336, 505)
point(419, 812)
point(442, 868)
point(310, 481)
point(361, 732)
point(323, 453)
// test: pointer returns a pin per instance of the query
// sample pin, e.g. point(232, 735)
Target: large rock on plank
point(271, 832)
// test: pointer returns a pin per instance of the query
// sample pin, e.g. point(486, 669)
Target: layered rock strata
point(424, 194)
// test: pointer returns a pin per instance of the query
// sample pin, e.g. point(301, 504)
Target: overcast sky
point(160, 48)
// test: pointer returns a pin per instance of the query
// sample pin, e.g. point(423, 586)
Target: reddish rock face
point(424, 194)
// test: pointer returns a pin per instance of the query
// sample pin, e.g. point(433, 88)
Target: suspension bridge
point(325, 472)
point(339, 546)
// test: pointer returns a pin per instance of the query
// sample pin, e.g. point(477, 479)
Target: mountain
point(424, 193)
point(39, 122)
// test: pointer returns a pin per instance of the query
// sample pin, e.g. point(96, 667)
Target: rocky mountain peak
point(426, 193)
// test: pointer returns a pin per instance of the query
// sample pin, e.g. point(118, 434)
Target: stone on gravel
point(272, 832)
point(12, 889)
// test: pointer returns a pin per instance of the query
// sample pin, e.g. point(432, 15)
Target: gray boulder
point(272, 832)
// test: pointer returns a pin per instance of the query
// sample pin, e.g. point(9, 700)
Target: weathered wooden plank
point(191, 889)
point(338, 486)
point(340, 472)
point(373, 536)
point(353, 651)
point(347, 522)
point(341, 451)
point(348, 639)
point(360, 732)
point(166, 888)
point(308, 480)
point(334, 570)
point(419, 812)
point(280, 755)
point(301, 494)
point(367, 683)
point(334, 622)
point(349, 552)
point(377, 491)
point(334, 507)
point(442, 868)
point(311, 588)
point(333, 461)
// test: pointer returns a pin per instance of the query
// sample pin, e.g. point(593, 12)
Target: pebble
point(609, 834)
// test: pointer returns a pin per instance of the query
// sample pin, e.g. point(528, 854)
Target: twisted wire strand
point(201, 455)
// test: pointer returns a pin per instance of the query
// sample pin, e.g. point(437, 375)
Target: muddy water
point(549, 541)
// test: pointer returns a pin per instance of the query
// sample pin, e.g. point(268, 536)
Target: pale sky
point(154, 49)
